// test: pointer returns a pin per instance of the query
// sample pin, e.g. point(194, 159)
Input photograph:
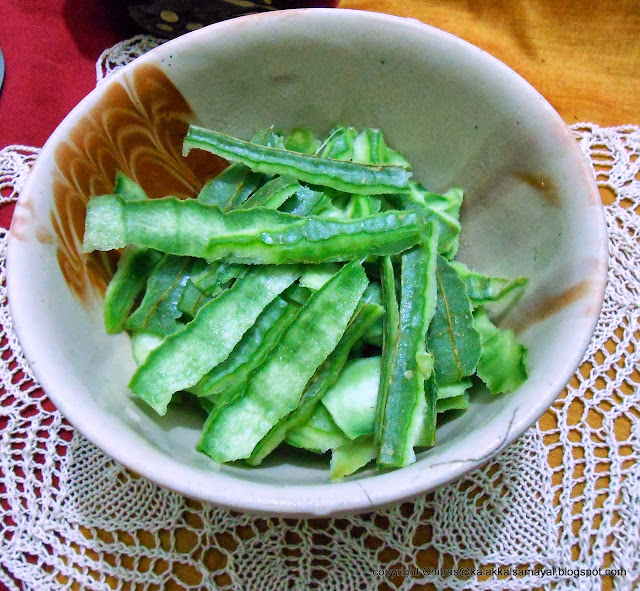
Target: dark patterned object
point(170, 18)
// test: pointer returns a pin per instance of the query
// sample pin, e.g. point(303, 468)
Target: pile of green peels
point(307, 295)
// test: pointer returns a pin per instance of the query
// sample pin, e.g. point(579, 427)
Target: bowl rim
point(304, 500)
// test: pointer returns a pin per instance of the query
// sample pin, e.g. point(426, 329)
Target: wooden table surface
point(583, 57)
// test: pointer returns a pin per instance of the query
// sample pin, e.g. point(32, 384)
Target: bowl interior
point(461, 117)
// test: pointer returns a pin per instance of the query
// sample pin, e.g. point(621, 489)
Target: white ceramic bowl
point(460, 116)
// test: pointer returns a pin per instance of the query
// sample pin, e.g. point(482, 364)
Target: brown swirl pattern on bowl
point(137, 126)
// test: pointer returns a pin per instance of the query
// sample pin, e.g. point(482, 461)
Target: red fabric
point(50, 49)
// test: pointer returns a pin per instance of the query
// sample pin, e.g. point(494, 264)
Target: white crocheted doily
point(566, 495)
